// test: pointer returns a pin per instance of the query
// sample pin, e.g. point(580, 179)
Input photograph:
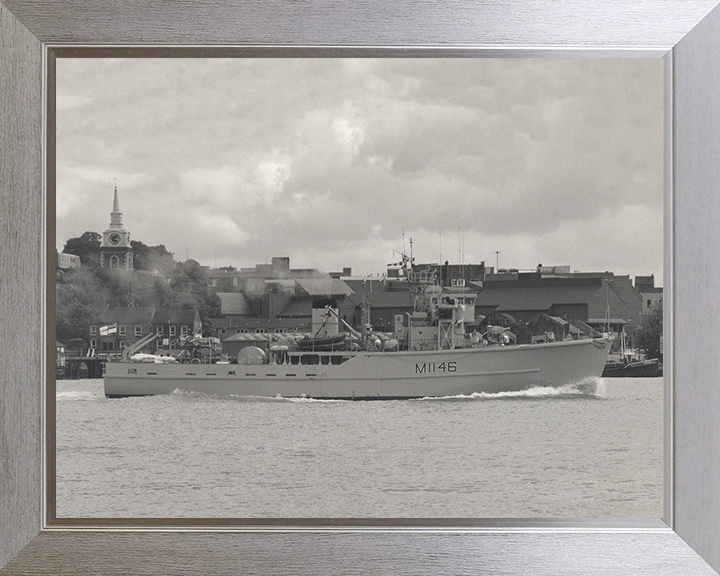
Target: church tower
point(115, 250)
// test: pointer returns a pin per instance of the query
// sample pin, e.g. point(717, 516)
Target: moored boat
point(630, 363)
point(647, 368)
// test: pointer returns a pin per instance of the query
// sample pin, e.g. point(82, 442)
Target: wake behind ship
point(437, 352)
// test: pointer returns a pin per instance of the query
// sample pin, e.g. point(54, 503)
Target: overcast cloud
point(233, 161)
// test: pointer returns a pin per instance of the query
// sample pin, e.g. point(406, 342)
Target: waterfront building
point(172, 325)
point(566, 303)
point(282, 306)
point(65, 261)
point(261, 304)
point(118, 328)
point(652, 295)
point(253, 280)
point(601, 300)
point(346, 273)
point(383, 307)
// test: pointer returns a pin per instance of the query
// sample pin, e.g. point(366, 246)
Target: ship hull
point(374, 375)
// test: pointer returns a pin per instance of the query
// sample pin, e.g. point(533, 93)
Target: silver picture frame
point(685, 33)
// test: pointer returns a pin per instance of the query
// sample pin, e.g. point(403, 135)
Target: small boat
point(648, 368)
point(630, 363)
point(327, 343)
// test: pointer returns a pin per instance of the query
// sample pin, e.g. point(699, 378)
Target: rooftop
point(324, 287)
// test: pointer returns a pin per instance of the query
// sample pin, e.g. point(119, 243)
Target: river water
point(544, 453)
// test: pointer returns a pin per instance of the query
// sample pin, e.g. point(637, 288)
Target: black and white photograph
point(359, 288)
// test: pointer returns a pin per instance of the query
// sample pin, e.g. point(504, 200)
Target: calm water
point(543, 453)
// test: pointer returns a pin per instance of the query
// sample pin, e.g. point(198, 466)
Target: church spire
point(116, 215)
point(116, 202)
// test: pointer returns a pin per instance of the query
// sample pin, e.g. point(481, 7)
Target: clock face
point(114, 238)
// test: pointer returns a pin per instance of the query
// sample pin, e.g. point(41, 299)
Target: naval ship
point(436, 351)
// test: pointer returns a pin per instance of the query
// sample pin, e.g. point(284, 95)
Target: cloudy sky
point(330, 162)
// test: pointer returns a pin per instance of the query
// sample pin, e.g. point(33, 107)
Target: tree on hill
point(190, 289)
point(79, 295)
point(116, 288)
point(152, 258)
point(87, 247)
point(648, 335)
point(147, 289)
point(85, 292)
